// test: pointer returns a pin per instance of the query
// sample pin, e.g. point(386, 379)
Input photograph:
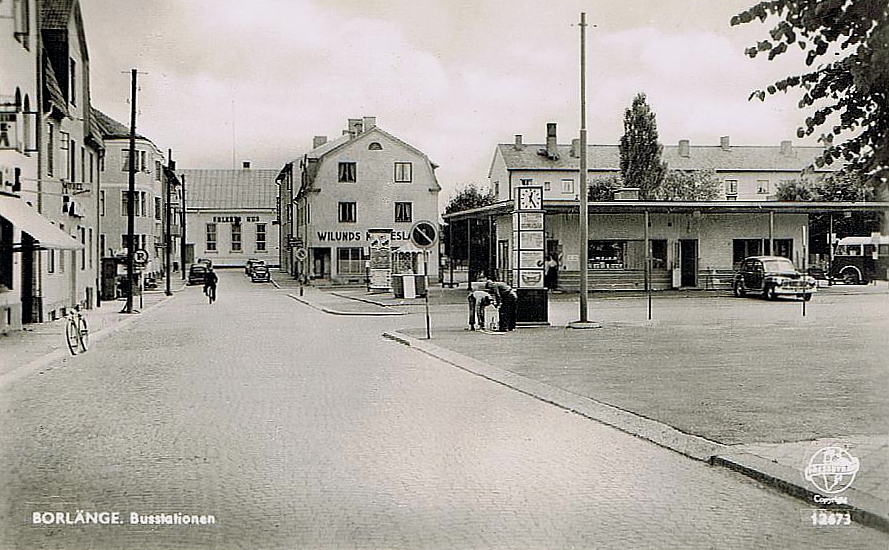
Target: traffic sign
point(140, 256)
point(423, 234)
point(301, 254)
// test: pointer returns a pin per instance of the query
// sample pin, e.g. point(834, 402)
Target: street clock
point(530, 198)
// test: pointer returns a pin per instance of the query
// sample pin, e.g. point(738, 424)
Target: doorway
point(320, 263)
point(688, 262)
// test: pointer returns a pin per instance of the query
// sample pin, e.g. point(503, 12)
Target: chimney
point(724, 143)
point(684, 150)
point(552, 150)
point(318, 141)
point(246, 164)
point(786, 148)
point(518, 142)
point(355, 126)
point(575, 148)
point(370, 122)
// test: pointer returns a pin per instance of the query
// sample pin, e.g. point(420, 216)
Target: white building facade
point(336, 197)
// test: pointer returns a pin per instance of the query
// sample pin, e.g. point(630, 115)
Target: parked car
point(251, 263)
point(196, 274)
point(772, 276)
point(206, 262)
point(260, 274)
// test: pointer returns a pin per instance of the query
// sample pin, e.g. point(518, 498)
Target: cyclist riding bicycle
point(210, 280)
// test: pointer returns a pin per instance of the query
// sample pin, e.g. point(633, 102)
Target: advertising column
point(380, 259)
point(529, 246)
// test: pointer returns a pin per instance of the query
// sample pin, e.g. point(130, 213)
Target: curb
point(345, 313)
point(867, 510)
point(61, 353)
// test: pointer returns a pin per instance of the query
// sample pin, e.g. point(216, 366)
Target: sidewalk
point(682, 381)
point(40, 345)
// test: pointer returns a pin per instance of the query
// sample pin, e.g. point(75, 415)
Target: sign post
point(423, 236)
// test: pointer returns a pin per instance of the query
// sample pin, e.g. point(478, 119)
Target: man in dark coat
point(506, 300)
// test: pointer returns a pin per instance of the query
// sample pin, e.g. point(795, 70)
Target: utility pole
point(584, 321)
point(168, 214)
point(131, 196)
point(182, 232)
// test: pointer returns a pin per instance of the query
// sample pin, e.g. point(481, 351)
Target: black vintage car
point(260, 274)
point(770, 277)
point(196, 274)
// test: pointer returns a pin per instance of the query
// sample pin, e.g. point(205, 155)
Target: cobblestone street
point(356, 442)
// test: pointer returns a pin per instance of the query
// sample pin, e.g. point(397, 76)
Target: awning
point(29, 221)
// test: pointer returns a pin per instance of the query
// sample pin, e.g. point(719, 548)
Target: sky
point(227, 81)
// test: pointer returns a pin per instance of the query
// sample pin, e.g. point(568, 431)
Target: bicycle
point(77, 332)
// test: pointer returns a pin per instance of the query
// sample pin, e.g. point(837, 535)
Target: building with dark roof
point(231, 214)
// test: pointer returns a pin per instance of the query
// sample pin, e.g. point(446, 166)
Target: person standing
point(506, 300)
point(551, 275)
point(210, 280)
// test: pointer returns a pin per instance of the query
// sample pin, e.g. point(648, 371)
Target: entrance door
point(688, 262)
point(320, 263)
point(28, 280)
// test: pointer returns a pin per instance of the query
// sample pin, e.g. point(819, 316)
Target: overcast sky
point(227, 80)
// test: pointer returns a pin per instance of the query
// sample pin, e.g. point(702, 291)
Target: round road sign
point(301, 254)
point(423, 234)
point(140, 256)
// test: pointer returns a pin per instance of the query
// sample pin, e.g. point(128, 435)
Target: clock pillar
point(529, 256)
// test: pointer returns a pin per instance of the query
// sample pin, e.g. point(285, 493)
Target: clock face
point(530, 198)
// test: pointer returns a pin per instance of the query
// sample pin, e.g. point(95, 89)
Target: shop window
point(347, 212)
point(260, 237)
point(607, 254)
point(744, 248)
point(784, 248)
point(211, 237)
point(659, 254)
point(403, 172)
point(349, 262)
point(348, 172)
point(403, 212)
point(236, 237)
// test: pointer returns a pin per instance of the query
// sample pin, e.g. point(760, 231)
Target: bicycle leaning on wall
point(77, 332)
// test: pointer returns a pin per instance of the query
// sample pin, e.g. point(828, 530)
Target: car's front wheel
point(738, 290)
point(770, 293)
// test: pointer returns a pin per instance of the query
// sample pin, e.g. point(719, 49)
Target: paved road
point(296, 429)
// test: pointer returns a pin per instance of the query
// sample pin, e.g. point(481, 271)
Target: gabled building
point(148, 232)
point(335, 197)
point(230, 215)
point(71, 152)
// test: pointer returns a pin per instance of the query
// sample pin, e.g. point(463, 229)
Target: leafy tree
point(640, 152)
point(468, 198)
point(603, 188)
point(848, 91)
point(794, 191)
point(843, 186)
point(689, 185)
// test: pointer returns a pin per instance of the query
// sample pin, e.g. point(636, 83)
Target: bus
point(857, 260)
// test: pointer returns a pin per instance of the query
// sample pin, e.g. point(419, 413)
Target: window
point(211, 237)
point(50, 148)
point(90, 247)
point(124, 203)
point(125, 160)
point(236, 237)
point(157, 208)
point(102, 245)
point(21, 13)
point(142, 205)
point(52, 261)
point(157, 170)
point(375, 146)
point(83, 250)
point(124, 241)
point(403, 172)
point(762, 187)
point(260, 237)
point(496, 188)
point(6, 274)
point(567, 187)
point(102, 202)
point(744, 248)
point(92, 168)
point(347, 172)
point(731, 187)
point(349, 262)
point(143, 165)
point(784, 247)
point(73, 91)
point(347, 212)
point(403, 211)
point(72, 168)
point(547, 186)
point(526, 181)
point(82, 164)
